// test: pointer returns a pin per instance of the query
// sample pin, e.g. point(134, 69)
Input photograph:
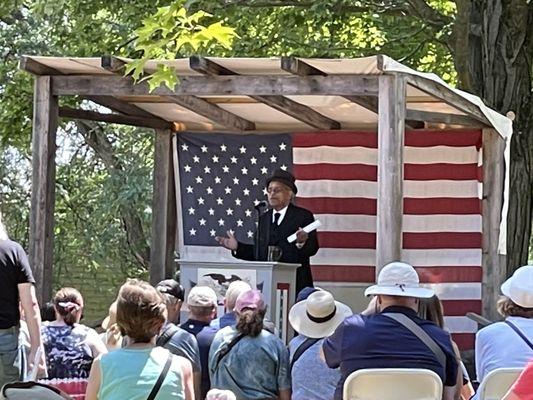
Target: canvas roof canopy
point(267, 94)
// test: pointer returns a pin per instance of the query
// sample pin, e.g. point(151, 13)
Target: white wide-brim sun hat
point(519, 287)
point(399, 279)
point(319, 315)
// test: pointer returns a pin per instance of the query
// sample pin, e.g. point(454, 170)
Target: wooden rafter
point(88, 115)
point(283, 104)
point(30, 65)
point(193, 103)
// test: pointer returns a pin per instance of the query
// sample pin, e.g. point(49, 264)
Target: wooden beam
point(41, 252)
point(195, 104)
point(93, 85)
point(212, 112)
point(283, 104)
point(112, 64)
point(493, 264)
point(29, 64)
point(368, 102)
point(443, 118)
point(66, 112)
point(121, 106)
point(299, 111)
point(448, 96)
point(163, 209)
point(391, 128)
point(296, 66)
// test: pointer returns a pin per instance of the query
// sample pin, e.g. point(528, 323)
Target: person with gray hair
point(230, 317)
point(16, 285)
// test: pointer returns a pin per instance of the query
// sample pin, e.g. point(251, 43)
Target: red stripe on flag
point(465, 341)
point(343, 273)
point(449, 274)
point(334, 205)
point(442, 240)
point(432, 172)
point(338, 172)
point(365, 172)
point(365, 206)
point(366, 274)
point(459, 308)
point(442, 205)
point(347, 240)
point(455, 138)
point(425, 138)
point(335, 139)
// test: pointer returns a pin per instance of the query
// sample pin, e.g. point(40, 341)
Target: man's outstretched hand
point(228, 242)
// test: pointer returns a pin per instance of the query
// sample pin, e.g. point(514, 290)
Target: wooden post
point(45, 115)
point(494, 265)
point(163, 210)
point(391, 127)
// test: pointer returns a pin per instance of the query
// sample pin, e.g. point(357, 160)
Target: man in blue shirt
point(381, 341)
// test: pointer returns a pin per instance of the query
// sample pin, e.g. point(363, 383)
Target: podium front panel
point(275, 280)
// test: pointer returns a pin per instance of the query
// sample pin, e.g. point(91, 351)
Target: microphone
point(261, 204)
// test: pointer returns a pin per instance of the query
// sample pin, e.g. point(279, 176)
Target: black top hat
point(284, 177)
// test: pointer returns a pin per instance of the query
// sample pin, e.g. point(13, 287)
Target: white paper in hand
point(309, 228)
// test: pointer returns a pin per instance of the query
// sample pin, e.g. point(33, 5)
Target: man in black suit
point(282, 220)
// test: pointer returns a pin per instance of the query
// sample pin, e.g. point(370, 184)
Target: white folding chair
point(497, 383)
point(393, 384)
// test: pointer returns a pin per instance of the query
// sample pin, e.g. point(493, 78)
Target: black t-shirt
point(14, 269)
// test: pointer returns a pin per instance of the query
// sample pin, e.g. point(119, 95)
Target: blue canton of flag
point(222, 177)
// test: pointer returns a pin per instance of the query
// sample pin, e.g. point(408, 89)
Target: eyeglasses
point(275, 190)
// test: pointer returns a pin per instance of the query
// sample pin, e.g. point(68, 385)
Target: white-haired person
point(314, 319)
point(508, 343)
point(394, 336)
point(229, 317)
point(140, 370)
point(70, 347)
point(247, 359)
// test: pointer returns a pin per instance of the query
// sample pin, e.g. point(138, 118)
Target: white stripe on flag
point(411, 223)
point(365, 155)
point(442, 257)
point(445, 291)
point(460, 325)
point(367, 189)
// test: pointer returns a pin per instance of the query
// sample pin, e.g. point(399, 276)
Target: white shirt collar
point(282, 213)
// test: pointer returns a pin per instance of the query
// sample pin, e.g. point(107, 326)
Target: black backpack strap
point(420, 334)
point(166, 335)
point(161, 378)
point(520, 333)
point(227, 348)
point(301, 349)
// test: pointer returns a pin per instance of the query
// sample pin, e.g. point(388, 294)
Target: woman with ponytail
point(247, 359)
point(70, 347)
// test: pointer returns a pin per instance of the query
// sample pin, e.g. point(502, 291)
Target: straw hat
point(111, 318)
point(319, 315)
point(399, 279)
point(519, 287)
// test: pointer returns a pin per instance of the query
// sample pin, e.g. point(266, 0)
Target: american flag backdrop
point(222, 176)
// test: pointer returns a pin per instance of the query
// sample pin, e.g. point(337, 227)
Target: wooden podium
point(276, 280)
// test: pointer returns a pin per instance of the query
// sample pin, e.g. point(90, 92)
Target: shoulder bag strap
point(520, 333)
point(227, 348)
point(421, 334)
point(301, 349)
point(161, 378)
point(166, 335)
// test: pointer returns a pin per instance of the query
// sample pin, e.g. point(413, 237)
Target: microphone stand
point(258, 233)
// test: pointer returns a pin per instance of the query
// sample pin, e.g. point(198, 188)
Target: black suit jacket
point(295, 217)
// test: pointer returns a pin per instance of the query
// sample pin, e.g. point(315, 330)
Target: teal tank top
point(132, 373)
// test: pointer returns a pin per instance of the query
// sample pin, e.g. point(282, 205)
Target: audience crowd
point(146, 352)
